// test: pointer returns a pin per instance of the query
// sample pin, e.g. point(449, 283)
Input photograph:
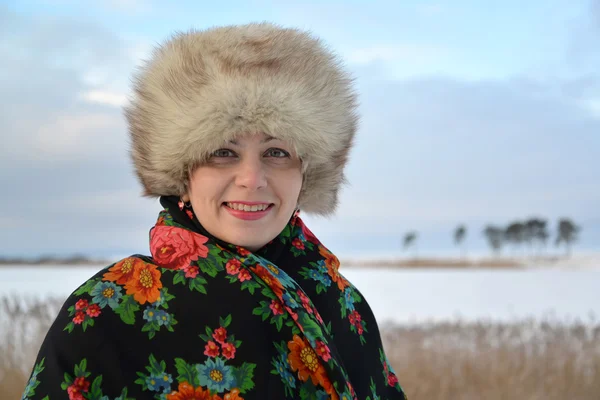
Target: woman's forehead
point(260, 138)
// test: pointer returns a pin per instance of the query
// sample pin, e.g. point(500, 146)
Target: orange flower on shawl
point(269, 279)
point(145, 283)
point(302, 358)
point(233, 395)
point(122, 271)
point(333, 265)
point(185, 391)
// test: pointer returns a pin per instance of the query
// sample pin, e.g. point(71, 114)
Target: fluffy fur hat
point(203, 88)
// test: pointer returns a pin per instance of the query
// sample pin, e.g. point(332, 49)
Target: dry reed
point(526, 360)
point(23, 325)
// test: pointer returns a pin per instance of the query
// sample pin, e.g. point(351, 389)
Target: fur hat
point(201, 89)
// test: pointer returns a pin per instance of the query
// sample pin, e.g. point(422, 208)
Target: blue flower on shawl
point(322, 395)
point(319, 274)
point(285, 279)
point(106, 293)
point(158, 383)
point(161, 299)
point(349, 299)
point(290, 301)
point(215, 375)
point(283, 369)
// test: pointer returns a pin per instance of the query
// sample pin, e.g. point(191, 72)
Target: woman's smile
point(248, 211)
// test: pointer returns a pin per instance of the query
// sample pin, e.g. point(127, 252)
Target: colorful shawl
point(203, 319)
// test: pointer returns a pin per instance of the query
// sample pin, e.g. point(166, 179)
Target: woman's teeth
point(245, 207)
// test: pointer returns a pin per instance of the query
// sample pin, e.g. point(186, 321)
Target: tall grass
point(527, 360)
point(23, 325)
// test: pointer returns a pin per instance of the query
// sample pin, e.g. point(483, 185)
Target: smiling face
point(247, 191)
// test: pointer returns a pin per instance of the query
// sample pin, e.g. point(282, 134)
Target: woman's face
point(247, 191)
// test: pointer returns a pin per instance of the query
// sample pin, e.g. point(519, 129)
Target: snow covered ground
point(565, 292)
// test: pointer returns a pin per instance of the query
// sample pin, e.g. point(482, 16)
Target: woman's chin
point(242, 241)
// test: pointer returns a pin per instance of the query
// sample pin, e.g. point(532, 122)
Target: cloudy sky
point(472, 112)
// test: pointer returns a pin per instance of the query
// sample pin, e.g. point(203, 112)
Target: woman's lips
point(248, 215)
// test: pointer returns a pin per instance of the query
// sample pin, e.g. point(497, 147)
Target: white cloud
point(109, 203)
point(593, 106)
point(105, 98)
point(74, 137)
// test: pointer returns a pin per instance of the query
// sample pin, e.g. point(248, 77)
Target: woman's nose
point(251, 174)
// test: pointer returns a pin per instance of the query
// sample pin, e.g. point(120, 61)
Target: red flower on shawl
point(176, 248)
point(354, 318)
point(269, 279)
point(79, 317)
point(333, 265)
point(81, 305)
point(242, 251)
point(211, 349)
point(323, 351)
point(93, 310)
point(244, 275)
point(228, 350)
point(191, 271)
point(308, 234)
point(185, 391)
point(305, 301)
point(79, 385)
point(233, 266)
point(220, 335)
point(317, 315)
point(297, 243)
point(276, 307)
point(392, 380)
point(294, 317)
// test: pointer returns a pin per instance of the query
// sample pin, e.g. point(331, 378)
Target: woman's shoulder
point(106, 290)
point(137, 290)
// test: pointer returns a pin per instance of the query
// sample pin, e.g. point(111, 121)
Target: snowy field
point(405, 295)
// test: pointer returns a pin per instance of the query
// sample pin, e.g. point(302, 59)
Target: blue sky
point(472, 112)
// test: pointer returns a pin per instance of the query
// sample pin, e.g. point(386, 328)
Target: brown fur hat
point(201, 89)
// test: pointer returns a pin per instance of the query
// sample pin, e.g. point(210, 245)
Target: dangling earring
point(183, 204)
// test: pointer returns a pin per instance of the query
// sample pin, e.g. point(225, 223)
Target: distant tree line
point(527, 235)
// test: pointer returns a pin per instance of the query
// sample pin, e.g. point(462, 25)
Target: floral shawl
point(203, 319)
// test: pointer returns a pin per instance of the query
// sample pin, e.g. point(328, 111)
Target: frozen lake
point(403, 295)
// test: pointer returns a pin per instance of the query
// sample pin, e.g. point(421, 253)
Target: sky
point(471, 113)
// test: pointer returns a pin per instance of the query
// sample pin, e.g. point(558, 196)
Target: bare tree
point(567, 233)
point(495, 238)
point(515, 234)
point(536, 234)
point(459, 237)
point(542, 234)
point(410, 239)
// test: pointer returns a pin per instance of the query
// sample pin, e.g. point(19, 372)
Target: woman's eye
point(277, 153)
point(223, 153)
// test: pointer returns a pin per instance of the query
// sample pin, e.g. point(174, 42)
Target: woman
point(236, 129)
